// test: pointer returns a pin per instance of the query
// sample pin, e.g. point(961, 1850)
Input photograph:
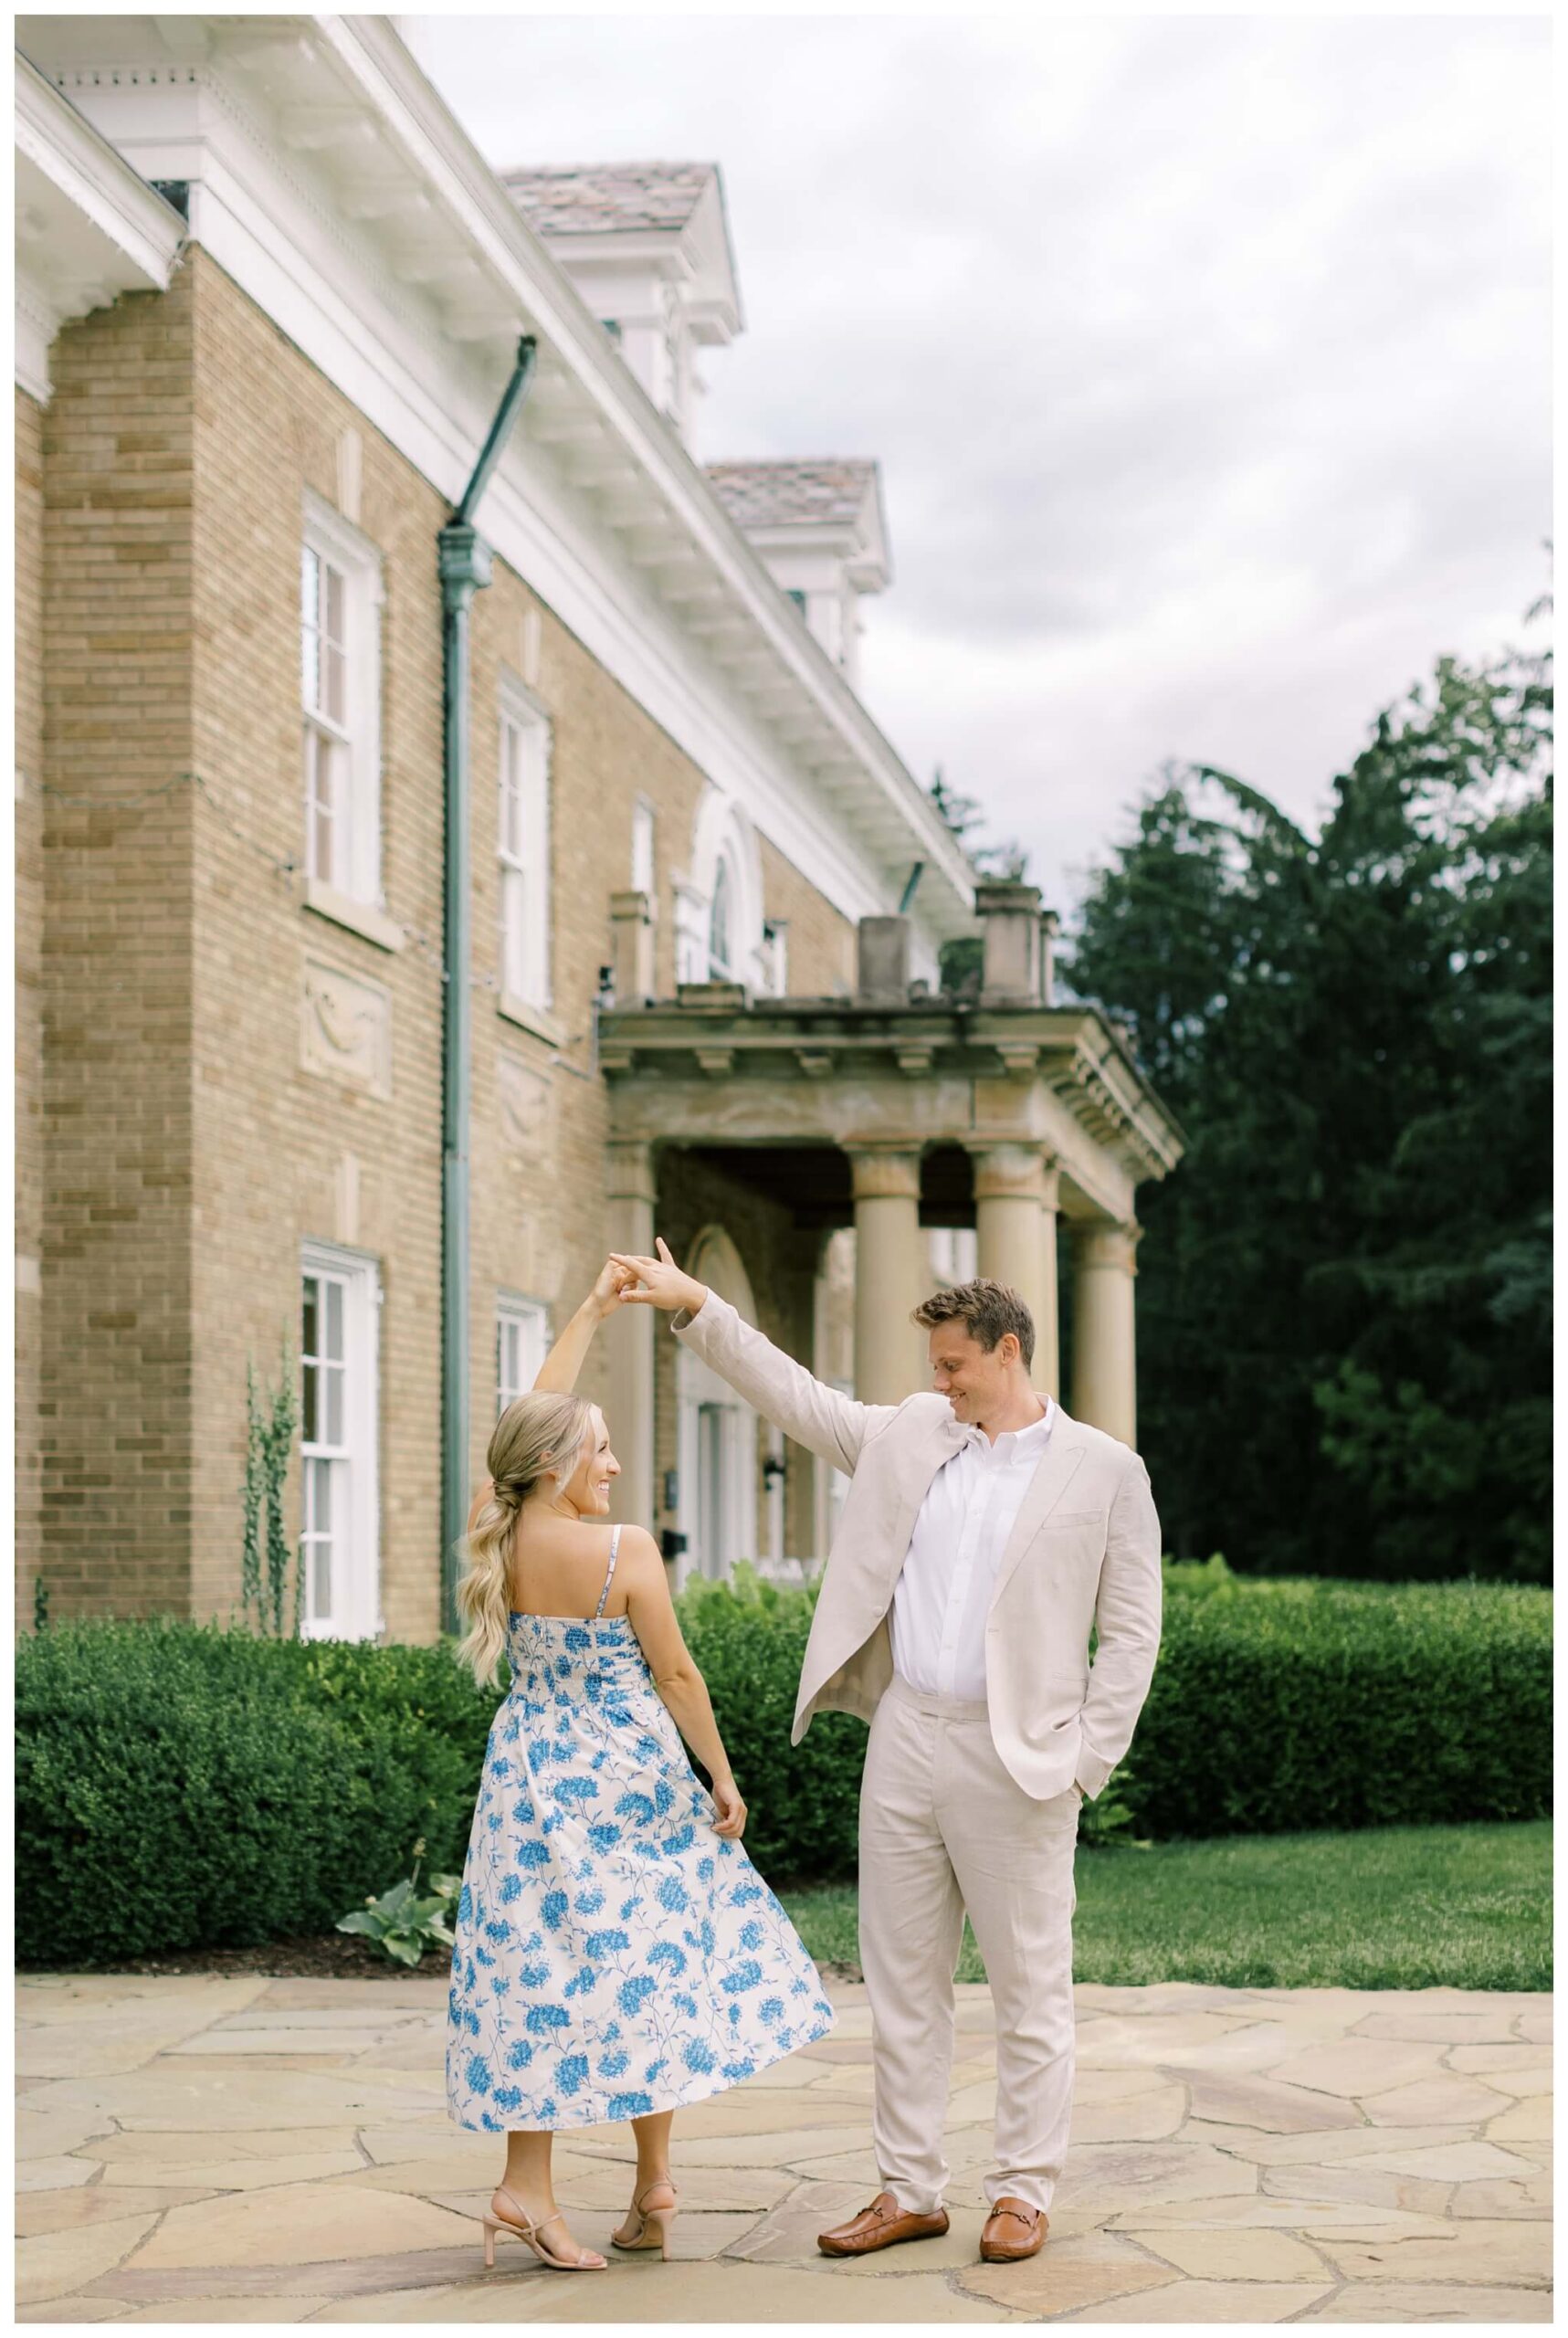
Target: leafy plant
point(404, 1923)
point(270, 1422)
point(1108, 1821)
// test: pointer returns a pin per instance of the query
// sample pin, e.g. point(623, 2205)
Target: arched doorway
point(715, 1431)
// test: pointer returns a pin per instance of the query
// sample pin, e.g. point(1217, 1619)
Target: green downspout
point(465, 569)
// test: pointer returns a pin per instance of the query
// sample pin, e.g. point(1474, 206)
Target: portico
point(896, 1110)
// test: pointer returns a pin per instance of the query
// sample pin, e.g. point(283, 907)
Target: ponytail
point(538, 1436)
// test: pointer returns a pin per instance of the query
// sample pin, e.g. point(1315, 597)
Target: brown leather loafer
point(1012, 2231)
point(879, 2227)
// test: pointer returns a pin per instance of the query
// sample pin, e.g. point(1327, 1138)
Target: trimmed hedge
point(1281, 1705)
point(178, 1786)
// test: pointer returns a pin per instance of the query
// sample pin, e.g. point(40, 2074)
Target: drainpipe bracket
point(465, 561)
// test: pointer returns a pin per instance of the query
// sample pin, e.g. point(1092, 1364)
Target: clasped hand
point(655, 1282)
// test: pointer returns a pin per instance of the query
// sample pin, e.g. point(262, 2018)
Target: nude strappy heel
point(529, 2233)
point(653, 2224)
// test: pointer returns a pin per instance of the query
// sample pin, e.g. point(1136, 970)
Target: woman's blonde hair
point(538, 1436)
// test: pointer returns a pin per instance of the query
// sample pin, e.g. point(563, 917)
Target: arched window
point(719, 919)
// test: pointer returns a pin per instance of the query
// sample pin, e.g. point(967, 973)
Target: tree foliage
point(1344, 1294)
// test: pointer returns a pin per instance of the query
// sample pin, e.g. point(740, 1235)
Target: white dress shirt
point(942, 1597)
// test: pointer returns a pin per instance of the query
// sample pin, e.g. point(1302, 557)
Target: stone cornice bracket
point(718, 1063)
point(816, 1062)
point(914, 1062)
point(1019, 1057)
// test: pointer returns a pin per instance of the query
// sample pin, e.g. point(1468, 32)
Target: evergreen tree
point(1344, 1334)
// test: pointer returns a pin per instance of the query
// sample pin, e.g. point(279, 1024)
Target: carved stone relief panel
point(527, 1101)
point(346, 1029)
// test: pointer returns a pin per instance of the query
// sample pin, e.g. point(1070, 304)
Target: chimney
point(1014, 966)
point(882, 961)
point(631, 947)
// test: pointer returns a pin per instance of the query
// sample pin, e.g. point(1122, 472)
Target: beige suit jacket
point(1084, 1550)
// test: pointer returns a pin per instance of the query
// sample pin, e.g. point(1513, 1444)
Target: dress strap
point(610, 1570)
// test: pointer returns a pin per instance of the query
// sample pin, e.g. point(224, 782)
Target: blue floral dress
point(614, 1955)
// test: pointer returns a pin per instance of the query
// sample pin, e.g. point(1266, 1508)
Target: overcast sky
point(1206, 358)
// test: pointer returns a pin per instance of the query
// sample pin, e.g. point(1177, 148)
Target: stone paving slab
point(198, 2149)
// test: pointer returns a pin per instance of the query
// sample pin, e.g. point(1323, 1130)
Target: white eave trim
point(87, 229)
point(145, 230)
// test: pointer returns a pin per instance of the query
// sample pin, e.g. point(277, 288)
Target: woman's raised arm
point(559, 1371)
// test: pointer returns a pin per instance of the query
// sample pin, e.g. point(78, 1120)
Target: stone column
point(1016, 1221)
point(1104, 1380)
point(890, 1352)
point(631, 1187)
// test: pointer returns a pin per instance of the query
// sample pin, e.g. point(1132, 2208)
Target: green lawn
point(1389, 1908)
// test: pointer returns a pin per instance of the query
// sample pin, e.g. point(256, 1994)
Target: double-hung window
point(523, 848)
point(522, 1343)
point(340, 1508)
point(340, 684)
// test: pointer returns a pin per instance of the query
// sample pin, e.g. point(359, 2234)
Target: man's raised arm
point(818, 1417)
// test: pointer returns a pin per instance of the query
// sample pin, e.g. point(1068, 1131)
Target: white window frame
point(522, 1343)
point(342, 852)
point(522, 846)
point(727, 883)
point(340, 1546)
point(644, 837)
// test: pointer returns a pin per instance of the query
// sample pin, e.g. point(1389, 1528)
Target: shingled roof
point(774, 495)
point(608, 199)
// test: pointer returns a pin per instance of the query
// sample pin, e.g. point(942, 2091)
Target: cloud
point(1206, 357)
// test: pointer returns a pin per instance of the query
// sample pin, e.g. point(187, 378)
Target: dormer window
point(819, 531)
point(648, 246)
point(720, 916)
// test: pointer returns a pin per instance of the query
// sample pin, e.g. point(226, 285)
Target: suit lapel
point(1051, 1480)
point(859, 1602)
point(925, 1460)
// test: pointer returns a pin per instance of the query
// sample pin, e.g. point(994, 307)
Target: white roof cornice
point(584, 383)
point(87, 228)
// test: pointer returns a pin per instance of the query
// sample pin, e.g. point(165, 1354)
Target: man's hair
point(986, 1310)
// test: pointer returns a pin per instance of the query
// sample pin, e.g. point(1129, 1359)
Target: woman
point(616, 1953)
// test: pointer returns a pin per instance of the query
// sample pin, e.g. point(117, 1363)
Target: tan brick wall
point(188, 436)
point(28, 713)
point(115, 1429)
point(272, 1138)
point(821, 938)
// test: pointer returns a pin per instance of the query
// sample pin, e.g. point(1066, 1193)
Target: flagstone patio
point(246, 2150)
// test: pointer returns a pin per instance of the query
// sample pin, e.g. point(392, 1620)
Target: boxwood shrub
point(179, 1786)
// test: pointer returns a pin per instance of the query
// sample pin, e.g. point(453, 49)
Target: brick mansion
point(414, 903)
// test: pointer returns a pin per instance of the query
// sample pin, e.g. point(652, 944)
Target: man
point(983, 1534)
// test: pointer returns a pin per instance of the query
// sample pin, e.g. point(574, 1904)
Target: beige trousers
point(944, 1827)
